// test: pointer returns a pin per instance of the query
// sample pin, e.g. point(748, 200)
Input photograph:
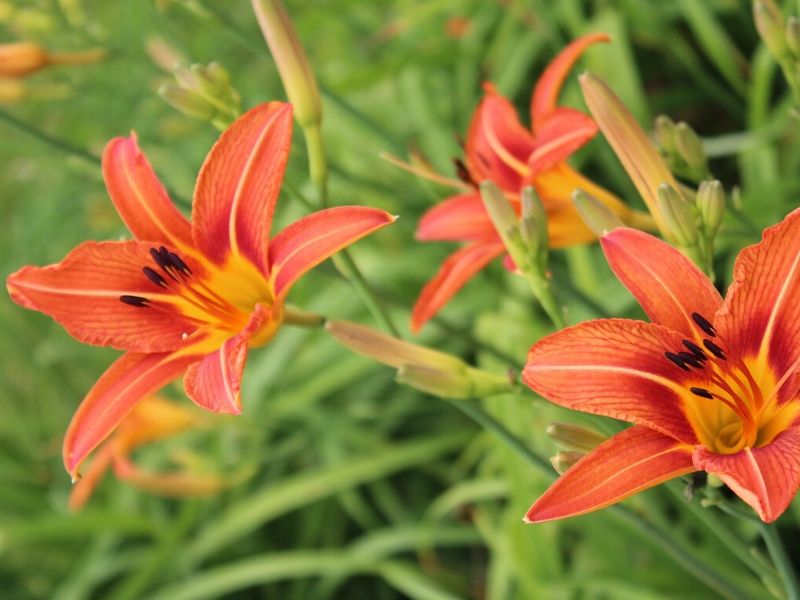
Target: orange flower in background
point(499, 148)
point(187, 296)
point(710, 385)
point(153, 419)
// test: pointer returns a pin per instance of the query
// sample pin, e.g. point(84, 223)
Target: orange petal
point(761, 316)
point(667, 285)
point(560, 135)
point(82, 293)
point(84, 488)
point(767, 478)
point(454, 273)
point(498, 146)
point(630, 462)
point(174, 485)
point(616, 368)
point(305, 243)
point(460, 218)
point(215, 382)
point(139, 197)
point(239, 183)
point(548, 88)
point(118, 390)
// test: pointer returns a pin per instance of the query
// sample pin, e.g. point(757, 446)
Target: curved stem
point(681, 555)
point(780, 559)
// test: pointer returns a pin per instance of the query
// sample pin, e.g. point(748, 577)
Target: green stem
point(48, 139)
point(690, 562)
point(318, 166)
point(540, 286)
point(489, 423)
point(780, 559)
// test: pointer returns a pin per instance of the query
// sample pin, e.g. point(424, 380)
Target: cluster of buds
point(574, 442)
point(782, 38)
point(526, 240)
point(431, 371)
point(694, 218)
point(689, 219)
point(204, 92)
point(681, 147)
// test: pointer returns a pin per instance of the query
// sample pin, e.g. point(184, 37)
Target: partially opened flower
point(499, 148)
point(187, 296)
point(153, 419)
point(710, 385)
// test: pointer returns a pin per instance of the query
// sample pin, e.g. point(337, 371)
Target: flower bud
point(597, 216)
point(290, 58)
point(574, 437)
point(471, 383)
point(444, 384)
point(689, 146)
point(630, 143)
point(23, 58)
point(665, 133)
point(793, 35)
point(533, 222)
point(389, 350)
point(678, 215)
point(770, 25)
point(711, 205)
point(187, 102)
point(20, 59)
point(564, 459)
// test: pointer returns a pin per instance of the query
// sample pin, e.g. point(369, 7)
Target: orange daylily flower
point(153, 419)
point(710, 385)
point(187, 296)
point(499, 148)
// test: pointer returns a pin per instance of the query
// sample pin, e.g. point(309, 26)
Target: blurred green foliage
point(358, 488)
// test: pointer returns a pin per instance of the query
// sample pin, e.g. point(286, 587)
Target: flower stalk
point(526, 241)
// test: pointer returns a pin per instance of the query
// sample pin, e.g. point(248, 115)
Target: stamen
point(702, 392)
point(695, 349)
point(462, 172)
point(136, 301)
point(691, 360)
point(163, 261)
point(178, 264)
point(703, 324)
point(677, 360)
point(714, 349)
point(154, 277)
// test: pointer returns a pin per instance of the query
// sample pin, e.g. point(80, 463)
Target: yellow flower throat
point(218, 304)
point(730, 401)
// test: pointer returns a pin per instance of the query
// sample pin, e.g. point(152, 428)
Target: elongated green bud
point(677, 213)
point(472, 383)
point(711, 205)
point(563, 460)
point(574, 437)
point(793, 35)
point(187, 102)
point(389, 350)
point(664, 128)
point(291, 60)
point(533, 223)
point(689, 146)
point(597, 216)
point(770, 25)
